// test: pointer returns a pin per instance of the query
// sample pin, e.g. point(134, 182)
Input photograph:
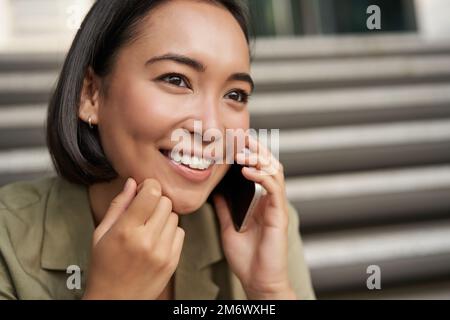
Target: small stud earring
point(90, 123)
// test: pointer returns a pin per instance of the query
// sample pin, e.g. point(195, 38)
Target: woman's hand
point(259, 255)
point(136, 247)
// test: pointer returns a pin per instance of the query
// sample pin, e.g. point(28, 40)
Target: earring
point(90, 123)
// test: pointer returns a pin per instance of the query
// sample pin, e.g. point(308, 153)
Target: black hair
point(75, 148)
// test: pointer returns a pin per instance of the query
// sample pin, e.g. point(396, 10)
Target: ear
point(89, 99)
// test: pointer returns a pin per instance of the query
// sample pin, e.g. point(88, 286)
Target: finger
point(161, 213)
point(117, 207)
point(255, 146)
point(254, 160)
point(145, 202)
point(169, 229)
point(223, 212)
point(268, 161)
point(276, 195)
point(177, 245)
point(271, 186)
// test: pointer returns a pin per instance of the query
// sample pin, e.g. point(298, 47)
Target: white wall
point(433, 18)
point(4, 22)
point(40, 24)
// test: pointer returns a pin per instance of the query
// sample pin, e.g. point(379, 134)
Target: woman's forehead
point(200, 29)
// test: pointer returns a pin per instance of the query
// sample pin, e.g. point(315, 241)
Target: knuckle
point(122, 235)
point(159, 258)
point(116, 201)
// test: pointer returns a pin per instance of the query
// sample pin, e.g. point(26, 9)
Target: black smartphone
point(241, 195)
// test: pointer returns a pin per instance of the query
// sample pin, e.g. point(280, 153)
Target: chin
point(187, 206)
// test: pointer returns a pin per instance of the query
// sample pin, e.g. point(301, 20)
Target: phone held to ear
point(241, 195)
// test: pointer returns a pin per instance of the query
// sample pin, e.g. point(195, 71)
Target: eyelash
point(244, 95)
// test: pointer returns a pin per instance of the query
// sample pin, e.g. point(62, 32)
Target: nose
point(208, 113)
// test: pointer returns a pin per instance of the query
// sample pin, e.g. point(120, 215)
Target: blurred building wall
point(433, 18)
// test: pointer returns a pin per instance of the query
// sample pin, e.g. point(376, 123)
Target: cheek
point(237, 119)
point(138, 112)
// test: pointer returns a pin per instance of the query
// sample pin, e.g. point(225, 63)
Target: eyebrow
point(199, 67)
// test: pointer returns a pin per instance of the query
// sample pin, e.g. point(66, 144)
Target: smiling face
point(190, 62)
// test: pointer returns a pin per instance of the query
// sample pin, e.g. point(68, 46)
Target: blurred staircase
point(365, 140)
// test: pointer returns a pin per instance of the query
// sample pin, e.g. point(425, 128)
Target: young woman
point(122, 215)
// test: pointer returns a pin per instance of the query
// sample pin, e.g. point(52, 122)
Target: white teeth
point(193, 162)
point(186, 160)
point(176, 156)
point(196, 162)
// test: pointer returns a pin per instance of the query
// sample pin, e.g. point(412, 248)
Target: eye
point(175, 79)
point(238, 95)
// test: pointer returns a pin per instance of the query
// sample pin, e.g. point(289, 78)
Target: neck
point(100, 196)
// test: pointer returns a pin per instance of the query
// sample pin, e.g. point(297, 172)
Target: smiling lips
point(192, 167)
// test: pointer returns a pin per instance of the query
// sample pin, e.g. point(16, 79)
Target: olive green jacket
point(46, 226)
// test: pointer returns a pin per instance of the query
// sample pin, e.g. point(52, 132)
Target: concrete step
point(346, 46)
point(362, 147)
point(435, 289)
point(349, 106)
point(358, 72)
point(362, 198)
point(23, 164)
point(22, 126)
point(26, 87)
point(404, 253)
point(24, 61)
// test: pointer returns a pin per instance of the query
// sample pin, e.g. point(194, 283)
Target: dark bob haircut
point(76, 149)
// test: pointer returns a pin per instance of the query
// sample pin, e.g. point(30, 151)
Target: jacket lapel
point(68, 227)
point(201, 249)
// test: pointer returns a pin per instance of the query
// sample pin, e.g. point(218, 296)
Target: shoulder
point(23, 203)
point(21, 194)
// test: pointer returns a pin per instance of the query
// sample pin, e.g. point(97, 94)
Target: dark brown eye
point(175, 80)
point(238, 95)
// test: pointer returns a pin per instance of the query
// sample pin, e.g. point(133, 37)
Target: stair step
point(435, 289)
point(366, 197)
point(339, 260)
point(37, 61)
point(24, 164)
point(26, 87)
point(25, 160)
point(326, 47)
point(362, 147)
point(358, 72)
point(22, 126)
point(345, 106)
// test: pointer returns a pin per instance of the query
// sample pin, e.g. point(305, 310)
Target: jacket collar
point(68, 233)
point(69, 226)
point(201, 249)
